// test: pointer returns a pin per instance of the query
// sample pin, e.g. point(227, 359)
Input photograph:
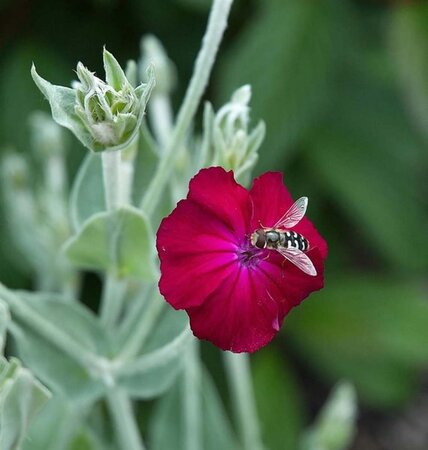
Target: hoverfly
point(288, 243)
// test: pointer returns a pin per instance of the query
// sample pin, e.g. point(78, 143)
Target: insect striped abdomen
point(291, 239)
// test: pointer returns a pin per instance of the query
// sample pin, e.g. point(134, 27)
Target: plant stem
point(126, 428)
point(216, 25)
point(239, 377)
point(112, 181)
point(191, 389)
point(142, 328)
point(111, 302)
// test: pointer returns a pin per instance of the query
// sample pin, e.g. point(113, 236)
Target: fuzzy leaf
point(21, 396)
point(55, 368)
point(62, 101)
point(118, 241)
point(60, 426)
point(153, 373)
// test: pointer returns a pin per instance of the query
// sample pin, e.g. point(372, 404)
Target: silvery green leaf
point(335, 426)
point(21, 396)
point(152, 373)
point(119, 242)
point(60, 426)
point(87, 194)
point(55, 368)
point(62, 101)
point(166, 429)
point(53, 428)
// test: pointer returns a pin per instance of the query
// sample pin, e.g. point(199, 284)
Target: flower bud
point(103, 115)
point(227, 139)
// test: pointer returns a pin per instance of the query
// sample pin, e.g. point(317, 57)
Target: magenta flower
point(235, 293)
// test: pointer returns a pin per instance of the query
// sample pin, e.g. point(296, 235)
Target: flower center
point(248, 255)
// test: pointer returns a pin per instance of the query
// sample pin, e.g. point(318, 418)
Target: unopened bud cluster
point(104, 115)
point(233, 145)
point(110, 115)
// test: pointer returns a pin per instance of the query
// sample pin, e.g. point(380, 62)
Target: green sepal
point(115, 76)
point(62, 101)
point(119, 242)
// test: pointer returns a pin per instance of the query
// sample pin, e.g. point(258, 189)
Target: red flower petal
point(217, 191)
point(241, 315)
point(196, 251)
point(271, 200)
point(295, 284)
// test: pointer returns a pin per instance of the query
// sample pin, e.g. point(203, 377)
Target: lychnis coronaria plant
point(237, 255)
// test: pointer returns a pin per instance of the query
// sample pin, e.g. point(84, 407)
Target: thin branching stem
point(204, 62)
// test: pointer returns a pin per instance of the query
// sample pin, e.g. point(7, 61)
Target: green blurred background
point(343, 88)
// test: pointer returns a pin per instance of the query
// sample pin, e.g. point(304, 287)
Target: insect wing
point(294, 215)
point(299, 259)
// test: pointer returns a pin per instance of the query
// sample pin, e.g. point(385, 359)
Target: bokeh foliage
point(343, 88)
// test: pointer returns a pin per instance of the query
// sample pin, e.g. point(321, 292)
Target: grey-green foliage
point(48, 361)
point(335, 426)
point(71, 431)
point(21, 396)
point(167, 427)
point(160, 359)
point(119, 242)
